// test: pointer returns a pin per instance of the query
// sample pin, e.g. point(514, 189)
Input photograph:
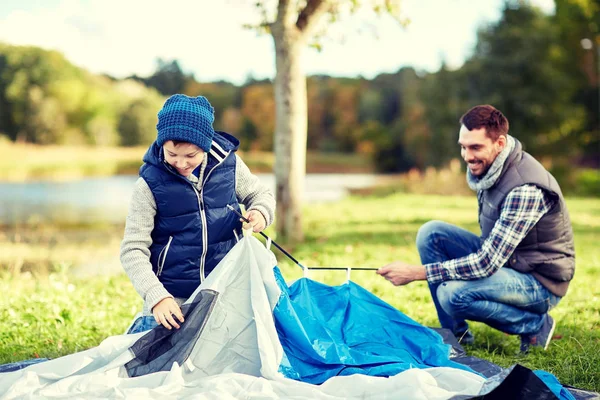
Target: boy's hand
point(165, 312)
point(257, 221)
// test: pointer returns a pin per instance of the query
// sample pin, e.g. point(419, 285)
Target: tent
point(247, 334)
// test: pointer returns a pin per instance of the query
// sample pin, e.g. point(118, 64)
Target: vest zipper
point(203, 216)
point(163, 253)
point(204, 234)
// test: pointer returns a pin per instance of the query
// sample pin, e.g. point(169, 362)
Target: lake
point(107, 199)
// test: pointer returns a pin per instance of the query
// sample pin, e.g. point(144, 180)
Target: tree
point(445, 103)
point(578, 23)
point(28, 77)
point(169, 78)
point(295, 23)
point(137, 123)
point(45, 99)
point(258, 108)
point(517, 66)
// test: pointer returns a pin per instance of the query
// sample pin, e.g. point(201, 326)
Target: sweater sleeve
point(252, 193)
point(135, 247)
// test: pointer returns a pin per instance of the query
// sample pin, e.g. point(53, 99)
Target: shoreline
point(23, 163)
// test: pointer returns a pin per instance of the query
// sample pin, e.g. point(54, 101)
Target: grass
point(55, 314)
point(43, 248)
point(23, 162)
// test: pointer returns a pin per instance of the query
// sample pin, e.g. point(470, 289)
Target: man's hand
point(165, 312)
point(400, 273)
point(257, 221)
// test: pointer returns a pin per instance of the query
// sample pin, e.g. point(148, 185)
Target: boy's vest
point(547, 252)
point(193, 228)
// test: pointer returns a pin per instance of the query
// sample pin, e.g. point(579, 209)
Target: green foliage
point(44, 99)
point(391, 154)
point(588, 183)
point(524, 66)
point(517, 66)
point(138, 121)
point(60, 314)
point(258, 108)
point(530, 65)
point(580, 182)
point(168, 78)
point(27, 76)
point(577, 20)
point(445, 100)
point(248, 134)
point(381, 99)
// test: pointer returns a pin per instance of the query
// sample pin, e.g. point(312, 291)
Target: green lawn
point(57, 314)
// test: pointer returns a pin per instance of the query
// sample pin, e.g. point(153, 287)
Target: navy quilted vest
point(193, 228)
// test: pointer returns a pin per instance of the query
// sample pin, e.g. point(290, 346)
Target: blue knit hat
point(187, 119)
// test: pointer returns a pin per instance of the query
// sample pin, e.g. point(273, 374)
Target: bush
point(587, 183)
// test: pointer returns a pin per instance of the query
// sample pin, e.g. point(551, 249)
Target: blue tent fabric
point(552, 382)
point(342, 330)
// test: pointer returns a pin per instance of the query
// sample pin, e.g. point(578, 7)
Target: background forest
point(541, 70)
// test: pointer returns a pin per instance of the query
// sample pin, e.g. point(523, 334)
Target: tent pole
point(291, 257)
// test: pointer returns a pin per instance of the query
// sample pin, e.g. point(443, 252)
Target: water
point(107, 199)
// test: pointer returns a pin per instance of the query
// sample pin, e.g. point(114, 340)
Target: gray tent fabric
point(160, 347)
point(515, 383)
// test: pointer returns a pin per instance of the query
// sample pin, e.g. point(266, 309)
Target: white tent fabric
point(237, 356)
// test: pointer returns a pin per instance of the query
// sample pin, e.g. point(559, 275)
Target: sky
point(208, 38)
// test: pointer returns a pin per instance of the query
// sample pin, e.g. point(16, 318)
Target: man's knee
point(452, 297)
point(428, 231)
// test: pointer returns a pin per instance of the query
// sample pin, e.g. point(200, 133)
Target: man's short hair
point(488, 117)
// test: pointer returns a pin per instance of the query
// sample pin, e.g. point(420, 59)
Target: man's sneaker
point(541, 338)
point(465, 337)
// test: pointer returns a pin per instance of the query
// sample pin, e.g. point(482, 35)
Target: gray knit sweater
point(135, 247)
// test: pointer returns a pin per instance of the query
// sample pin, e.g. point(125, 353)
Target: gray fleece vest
point(548, 251)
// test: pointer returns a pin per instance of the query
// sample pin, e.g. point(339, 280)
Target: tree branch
point(310, 14)
point(284, 13)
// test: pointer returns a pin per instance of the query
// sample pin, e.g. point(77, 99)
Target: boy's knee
point(428, 231)
point(452, 298)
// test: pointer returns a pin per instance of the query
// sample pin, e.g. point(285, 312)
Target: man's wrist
point(421, 272)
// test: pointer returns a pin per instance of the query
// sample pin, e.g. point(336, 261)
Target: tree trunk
point(290, 132)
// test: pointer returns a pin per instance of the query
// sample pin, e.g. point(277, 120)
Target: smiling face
point(184, 157)
point(478, 150)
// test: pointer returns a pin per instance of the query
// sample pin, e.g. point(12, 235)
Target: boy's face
point(184, 157)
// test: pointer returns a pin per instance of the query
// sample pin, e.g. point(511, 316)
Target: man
point(521, 266)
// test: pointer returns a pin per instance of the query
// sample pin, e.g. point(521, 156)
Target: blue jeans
point(142, 324)
point(510, 301)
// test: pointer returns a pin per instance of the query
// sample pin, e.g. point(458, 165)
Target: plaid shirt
point(523, 207)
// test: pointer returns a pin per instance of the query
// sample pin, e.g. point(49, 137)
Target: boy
point(178, 227)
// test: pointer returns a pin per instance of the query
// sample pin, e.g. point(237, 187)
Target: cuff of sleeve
point(264, 213)
point(156, 294)
point(434, 272)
